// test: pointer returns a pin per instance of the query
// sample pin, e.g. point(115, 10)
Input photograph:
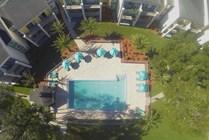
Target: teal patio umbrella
point(101, 52)
point(78, 57)
point(143, 75)
point(114, 52)
point(142, 87)
point(53, 75)
point(66, 64)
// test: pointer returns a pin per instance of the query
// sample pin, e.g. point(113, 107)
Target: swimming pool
point(98, 95)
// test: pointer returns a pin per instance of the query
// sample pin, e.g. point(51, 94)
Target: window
point(42, 16)
point(30, 26)
point(8, 64)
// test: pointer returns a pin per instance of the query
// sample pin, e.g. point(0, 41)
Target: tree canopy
point(58, 27)
point(62, 42)
point(88, 25)
point(140, 42)
point(22, 122)
point(183, 68)
point(28, 79)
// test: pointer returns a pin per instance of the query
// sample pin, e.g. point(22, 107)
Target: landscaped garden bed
point(130, 54)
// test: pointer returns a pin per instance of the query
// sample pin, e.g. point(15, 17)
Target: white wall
point(204, 38)
point(171, 16)
point(119, 7)
point(15, 37)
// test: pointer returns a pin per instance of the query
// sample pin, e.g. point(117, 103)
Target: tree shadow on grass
point(112, 129)
point(103, 129)
point(152, 53)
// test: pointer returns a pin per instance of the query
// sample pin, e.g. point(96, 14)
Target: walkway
point(23, 96)
point(157, 97)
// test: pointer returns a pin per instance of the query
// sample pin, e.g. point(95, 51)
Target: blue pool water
point(97, 95)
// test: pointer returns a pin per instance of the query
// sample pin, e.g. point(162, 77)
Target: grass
point(126, 31)
point(25, 102)
point(164, 131)
point(157, 88)
point(23, 90)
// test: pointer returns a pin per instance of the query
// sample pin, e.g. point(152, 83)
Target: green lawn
point(164, 131)
point(127, 31)
point(25, 102)
point(23, 90)
point(157, 88)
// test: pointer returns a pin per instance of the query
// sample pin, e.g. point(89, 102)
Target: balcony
point(43, 23)
point(74, 7)
point(92, 14)
point(91, 2)
point(75, 13)
point(47, 20)
point(73, 2)
point(131, 12)
point(39, 38)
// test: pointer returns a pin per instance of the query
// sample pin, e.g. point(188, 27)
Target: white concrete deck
point(96, 68)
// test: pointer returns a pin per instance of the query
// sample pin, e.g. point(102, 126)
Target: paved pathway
point(24, 96)
point(157, 97)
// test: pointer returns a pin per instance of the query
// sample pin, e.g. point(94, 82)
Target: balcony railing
point(43, 22)
point(46, 20)
point(131, 12)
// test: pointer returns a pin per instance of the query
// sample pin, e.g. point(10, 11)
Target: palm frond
point(62, 42)
point(58, 27)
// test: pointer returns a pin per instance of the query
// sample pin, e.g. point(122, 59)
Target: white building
point(142, 13)
point(187, 15)
point(77, 10)
point(12, 58)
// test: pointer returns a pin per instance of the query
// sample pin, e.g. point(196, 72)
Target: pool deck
point(100, 68)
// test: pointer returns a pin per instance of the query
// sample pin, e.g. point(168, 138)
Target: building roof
point(3, 54)
point(192, 10)
point(42, 96)
point(22, 12)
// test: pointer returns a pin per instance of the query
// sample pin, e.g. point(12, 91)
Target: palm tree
point(58, 27)
point(140, 42)
point(29, 79)
point(150, 120)
point(88, 25)
point(62, 42)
